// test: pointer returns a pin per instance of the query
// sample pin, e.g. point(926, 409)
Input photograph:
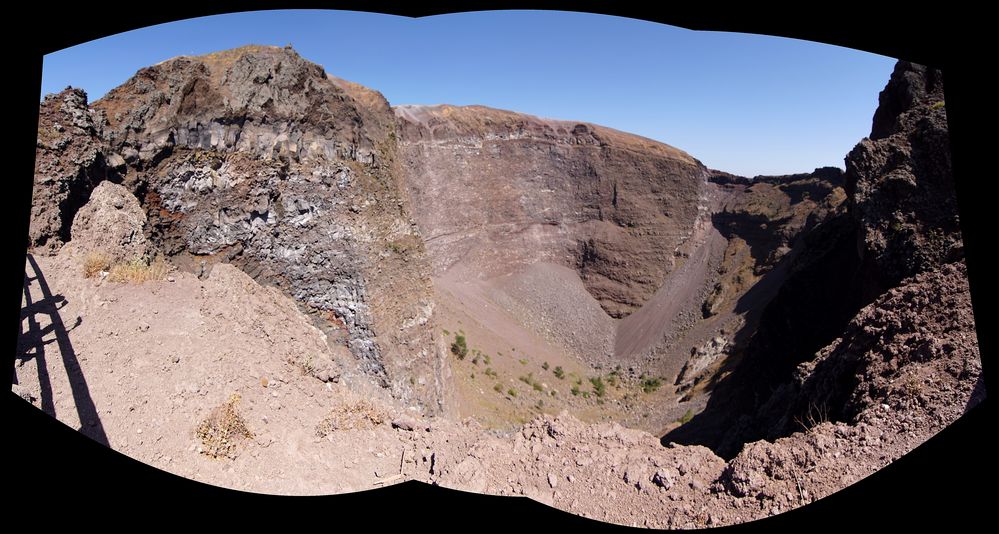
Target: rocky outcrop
point(256, 157)
point(260, 100)
point(70, 160)
point(906, 367)
point(915, 335)
point(900, 183)
point(900, 219)
point(498, 190)
point(111, 223)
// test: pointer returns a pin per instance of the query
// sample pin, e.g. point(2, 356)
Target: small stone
point(171, 279)
point(404, 423)
point(552, 481)
point(662, 479)
point(176, 359)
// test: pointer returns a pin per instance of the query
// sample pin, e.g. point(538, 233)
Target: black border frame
point(63, 475)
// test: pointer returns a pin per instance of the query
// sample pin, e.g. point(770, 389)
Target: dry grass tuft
point(221, 430)
point(94, 263)
point(139, 270)
point(357, 416)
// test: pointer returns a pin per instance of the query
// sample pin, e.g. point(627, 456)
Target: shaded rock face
point(70, 160)
point(900, 220)
point(771, 211)
point(763, 221)
point(111, 223)
point(891, 351)
point(900, 182)
point(498, 190)
point(255, 156)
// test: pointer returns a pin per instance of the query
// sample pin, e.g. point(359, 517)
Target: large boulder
point(110, 223)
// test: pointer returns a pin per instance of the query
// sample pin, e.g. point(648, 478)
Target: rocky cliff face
point(70, 160)
point(256, 157)
point(499, 190)
point(900, 220)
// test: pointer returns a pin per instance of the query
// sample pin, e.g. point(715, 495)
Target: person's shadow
point(31, 344)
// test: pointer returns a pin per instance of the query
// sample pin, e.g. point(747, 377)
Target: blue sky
point(747, 104)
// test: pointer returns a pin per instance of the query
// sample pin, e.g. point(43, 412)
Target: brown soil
point(158, 363)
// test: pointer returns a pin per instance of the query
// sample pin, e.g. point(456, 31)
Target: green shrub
point(559, 373)
point(598, 386)
point(686, 417)
point(544, 366)
point(537, 387)
point(651, 384)
point(498, 388)
point(523, 362)
point(511, 392)
point(459, 347)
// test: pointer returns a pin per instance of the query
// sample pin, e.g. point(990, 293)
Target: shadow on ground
point(32, 344)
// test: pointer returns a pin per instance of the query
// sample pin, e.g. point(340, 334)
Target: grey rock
point(663, 479)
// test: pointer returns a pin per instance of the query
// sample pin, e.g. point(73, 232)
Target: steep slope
point(900, 220)
point(618, 252)
point(501, 190)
